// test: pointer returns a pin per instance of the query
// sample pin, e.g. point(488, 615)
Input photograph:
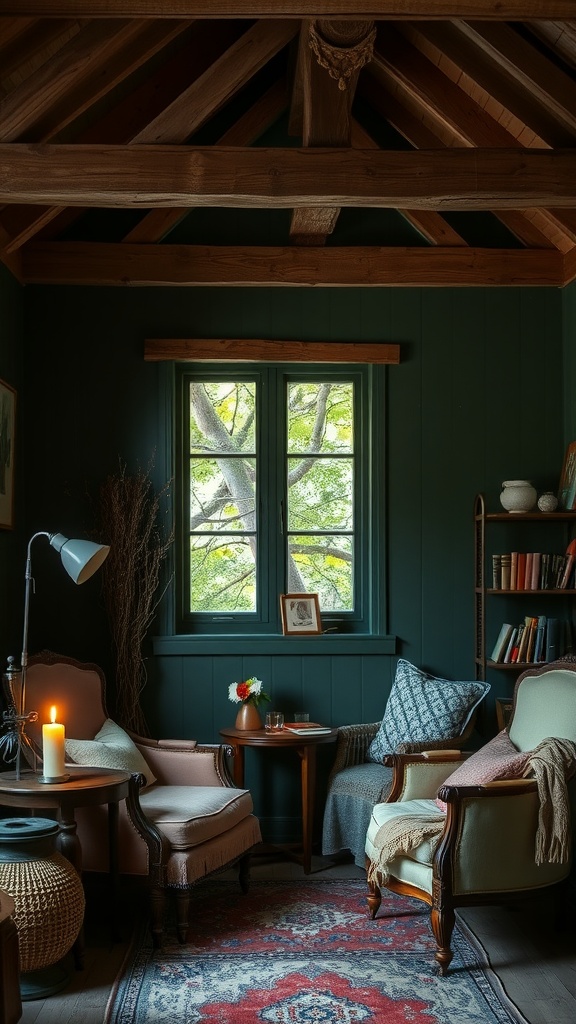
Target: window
point(276, 476)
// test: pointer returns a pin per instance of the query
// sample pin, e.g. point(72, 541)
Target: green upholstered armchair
point(423, 712)
point(498, 826)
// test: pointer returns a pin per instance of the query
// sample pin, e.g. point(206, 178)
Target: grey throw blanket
point(552, 763)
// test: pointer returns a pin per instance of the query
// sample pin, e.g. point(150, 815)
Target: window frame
point(367, 618)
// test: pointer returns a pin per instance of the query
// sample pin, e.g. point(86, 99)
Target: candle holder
point(53, 778)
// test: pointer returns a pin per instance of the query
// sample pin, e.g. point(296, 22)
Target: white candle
point(53, 747)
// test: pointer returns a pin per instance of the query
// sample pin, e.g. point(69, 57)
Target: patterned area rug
point(305, 952)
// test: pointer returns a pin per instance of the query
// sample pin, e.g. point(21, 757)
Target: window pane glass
point(323, 566)
point(320, 494)
point(222, 494)
point(223, 574)
point(222, 417)
point(320, 417)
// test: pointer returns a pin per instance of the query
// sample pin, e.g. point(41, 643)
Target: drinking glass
point(301, 716)
point(274, 721)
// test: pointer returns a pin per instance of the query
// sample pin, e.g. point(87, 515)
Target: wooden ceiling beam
point(211, 90)
point(158, 223)
point(524, 63)
point(460, 121)
point(495, 10)
point(146, 176)
point(62, 73)
point(365, 266)
point(434, 92)
point(132, 114)
point(431, 225)
point(490, 76)
point(330, 57)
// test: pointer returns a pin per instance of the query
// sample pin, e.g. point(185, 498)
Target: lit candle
point(53, 747)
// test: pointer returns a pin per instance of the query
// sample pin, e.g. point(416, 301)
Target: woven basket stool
point(48, 899)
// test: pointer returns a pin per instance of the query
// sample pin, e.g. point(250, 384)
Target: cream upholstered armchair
point(494, 826)
point(184, 819)
point(422, 712)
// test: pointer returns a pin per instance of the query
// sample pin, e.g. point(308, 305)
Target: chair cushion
point(383, 813)
point(497, 759)
point(110, 748)
point(424, 707)
point(190, 815)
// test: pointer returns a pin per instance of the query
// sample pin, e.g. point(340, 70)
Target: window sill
point(258, 643)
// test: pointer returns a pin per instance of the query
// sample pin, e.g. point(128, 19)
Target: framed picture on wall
point(300, 614)
point(7, 431)
point(567, 487)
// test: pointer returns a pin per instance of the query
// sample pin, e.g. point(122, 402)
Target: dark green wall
point(476, 399)
point(12, 555)
point(569, 361)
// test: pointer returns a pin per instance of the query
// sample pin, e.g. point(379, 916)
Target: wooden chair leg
point(244, 873)
point(442, 920)
point(182, 914)
point(157, 906)
point(374, 899)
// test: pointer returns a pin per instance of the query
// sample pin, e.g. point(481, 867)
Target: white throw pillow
point(110, 748)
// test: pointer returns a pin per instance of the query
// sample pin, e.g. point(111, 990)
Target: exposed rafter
point(155, 141)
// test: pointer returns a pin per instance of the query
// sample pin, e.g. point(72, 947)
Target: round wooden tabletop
point(277, 737)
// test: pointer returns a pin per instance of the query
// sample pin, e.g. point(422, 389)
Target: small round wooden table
point(305, 746)
point(84, 787)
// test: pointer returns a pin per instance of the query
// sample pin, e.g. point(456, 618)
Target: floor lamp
point(81, 559)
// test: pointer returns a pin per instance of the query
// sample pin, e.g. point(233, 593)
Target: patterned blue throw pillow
point(424, 707)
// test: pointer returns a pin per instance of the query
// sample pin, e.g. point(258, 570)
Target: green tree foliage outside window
point(274, 491)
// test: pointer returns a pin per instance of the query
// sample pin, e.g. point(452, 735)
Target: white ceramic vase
point(548, 502)
point(518, 496)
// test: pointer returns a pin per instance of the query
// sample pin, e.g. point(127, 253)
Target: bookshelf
point(557, 529)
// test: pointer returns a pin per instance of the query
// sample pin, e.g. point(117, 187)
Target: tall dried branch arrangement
point(130, 519)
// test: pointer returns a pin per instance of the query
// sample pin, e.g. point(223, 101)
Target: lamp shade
point(80, 558)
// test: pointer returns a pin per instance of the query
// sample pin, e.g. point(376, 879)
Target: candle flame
point(53, 714)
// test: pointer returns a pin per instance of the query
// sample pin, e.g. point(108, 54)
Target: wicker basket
point(46, 889)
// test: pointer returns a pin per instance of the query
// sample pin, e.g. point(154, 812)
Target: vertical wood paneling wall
point(478, 397)
point(12, 545)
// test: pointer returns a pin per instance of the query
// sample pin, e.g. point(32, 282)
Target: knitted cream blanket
point(552, 763)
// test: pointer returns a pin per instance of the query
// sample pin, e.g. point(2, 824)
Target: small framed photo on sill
point(300, 614)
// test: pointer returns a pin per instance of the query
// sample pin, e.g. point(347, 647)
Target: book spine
point(505, 561)
point(501, 642)
point(528, 573)
point(513, 568)
point(517, 642)
point(520, 570)
point(496, 574)
point(508, 655)
point(531, 640)
point(544, 571)
point(552, 639)
point(524, 642)
point(540, 632)
point(535, 578)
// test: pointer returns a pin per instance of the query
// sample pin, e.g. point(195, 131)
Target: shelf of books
point(546, 577)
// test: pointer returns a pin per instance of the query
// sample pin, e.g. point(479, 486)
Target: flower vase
point(248, 718)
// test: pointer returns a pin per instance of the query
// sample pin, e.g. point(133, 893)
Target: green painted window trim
point(371, 573)
point(257, 644)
